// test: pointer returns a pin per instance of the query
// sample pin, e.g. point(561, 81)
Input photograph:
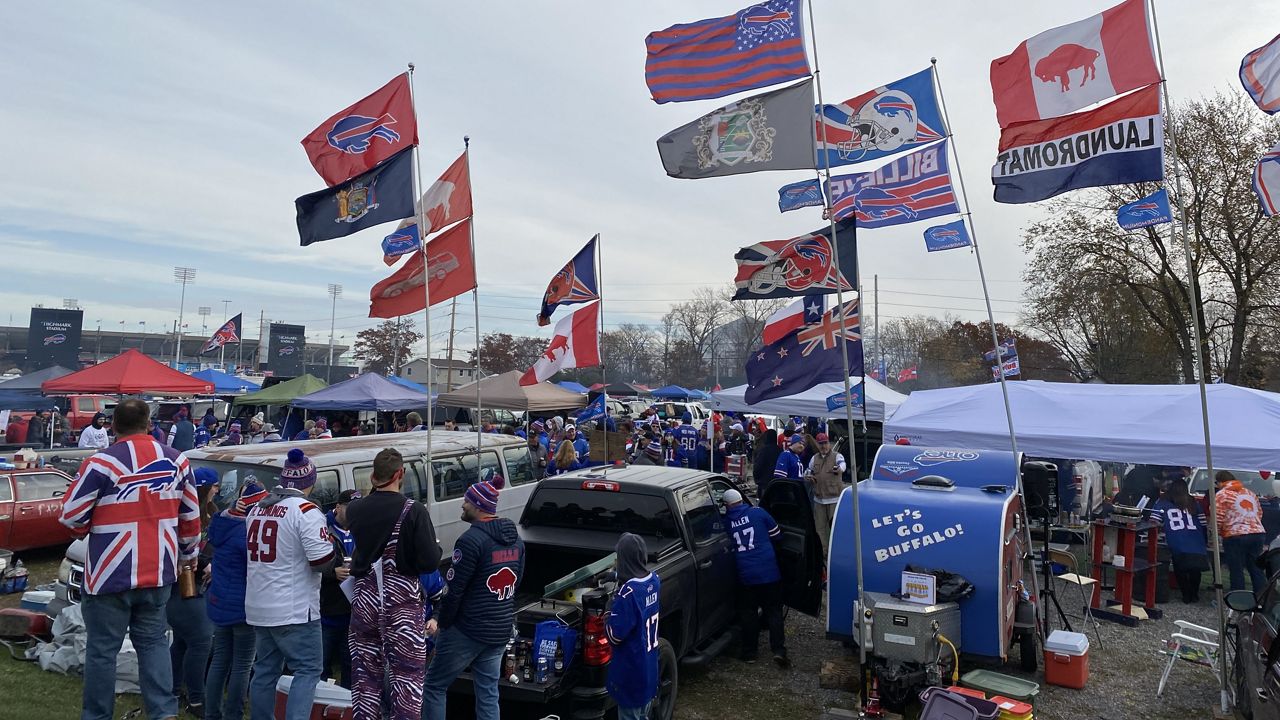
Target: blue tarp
point(23, 393)
point(671, 392)
point(224, 383)
point(698, 395)
point(572, 386)
point(406, 383)
point(370, 391)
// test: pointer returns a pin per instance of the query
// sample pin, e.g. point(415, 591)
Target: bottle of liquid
point(509, 664)
point(541, 676)
point(557, 665)
point(526, 663)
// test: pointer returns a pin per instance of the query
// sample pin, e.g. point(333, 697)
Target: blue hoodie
point(225, 598)
point(488, 562)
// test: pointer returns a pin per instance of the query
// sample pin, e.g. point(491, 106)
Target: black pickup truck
point(574, 520)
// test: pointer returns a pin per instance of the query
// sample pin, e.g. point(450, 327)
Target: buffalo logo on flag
point(357, 138)
point(946, 237)
point(803, 265)
point(806, 193)
point(910, 188)
point(55, 339)
point(353, 133)
point(1150, 210)
point(573, 283)
point(876, 124)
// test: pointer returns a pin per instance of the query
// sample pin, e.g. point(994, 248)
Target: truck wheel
point(1027, 651)
point(664, 706)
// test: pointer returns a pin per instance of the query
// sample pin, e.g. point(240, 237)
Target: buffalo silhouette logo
point(1057, 65)
point(502, 583)
point(354, 134)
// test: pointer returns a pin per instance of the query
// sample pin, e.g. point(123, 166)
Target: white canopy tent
point(1152, 424)
point(881, 401)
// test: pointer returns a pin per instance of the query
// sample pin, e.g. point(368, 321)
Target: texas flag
point(808, 309)
point(1073, 66)
point(576, 344)
point(364, 134)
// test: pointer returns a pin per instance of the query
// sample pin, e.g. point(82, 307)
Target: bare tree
point(695, 321)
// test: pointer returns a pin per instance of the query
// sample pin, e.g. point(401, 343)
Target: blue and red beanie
point(484, 494)
point(298, 472)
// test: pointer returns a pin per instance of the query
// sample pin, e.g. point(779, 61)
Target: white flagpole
point(426, 286)
point(604, 381)
point(1201, 370)
point(475, 301)
point(839, 316)
point(995, 340)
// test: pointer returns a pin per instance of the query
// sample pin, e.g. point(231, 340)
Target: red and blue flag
point(1266, 182)
point(802, 265)
point(575, 283)
point(228, 334)
point(1260, 75)
point(808, 357)
point(900, 116)
point(760, 46)
point(912, 187)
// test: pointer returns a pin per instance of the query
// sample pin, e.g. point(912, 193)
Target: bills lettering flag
point(806, 193)
point(451, 272)
point(946, 237)
point(804, 265)
point(1266, 182)
point(359, 137)
point(1073, 66)
point(228, 334)
point(575, 283)
point(576, 344)
point(1012, 368)
point(381, 195)
point(760, 46)
point(806, 310)
point(770, 131)
point(399, 243)
point(1120, 142)
point(1150, 210)
point(1260, 75)
point(902, 115)
point(913, 187)
point(808, 357)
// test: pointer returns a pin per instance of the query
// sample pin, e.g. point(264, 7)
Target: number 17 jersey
point(286, 539)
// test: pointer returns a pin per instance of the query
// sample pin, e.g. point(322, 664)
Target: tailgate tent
point(23, 393)
point(670, 392)
point(225, 383)
point(129, 373)
point(370, 391)
point(881, 401)
point(1148, 424)
point(572, 386)
point(505, 391)
point(284, 393)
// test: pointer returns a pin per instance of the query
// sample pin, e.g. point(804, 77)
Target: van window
point(325, 494)
point(449, 478)
point(361, 475)
point(488, 461)
point(519, 465)
point(415, 481)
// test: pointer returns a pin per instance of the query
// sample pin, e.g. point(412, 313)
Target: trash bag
point(951, 587)
point(64, 653)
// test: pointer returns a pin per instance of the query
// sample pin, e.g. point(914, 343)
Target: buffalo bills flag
point(575, 283)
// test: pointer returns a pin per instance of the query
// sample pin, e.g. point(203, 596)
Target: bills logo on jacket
point(1073, 66)
point(502, 583)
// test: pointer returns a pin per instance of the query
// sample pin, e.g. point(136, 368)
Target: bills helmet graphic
point(801, 263)
point(55, 339)
point(354, 134)
point(882, 124)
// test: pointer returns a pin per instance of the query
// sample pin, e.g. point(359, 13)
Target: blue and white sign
point(806, 193)
point(855, 398)
point(946, 237)
point(1150, 210)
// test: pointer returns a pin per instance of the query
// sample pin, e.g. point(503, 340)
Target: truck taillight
point(600, 485)
point(595, 643)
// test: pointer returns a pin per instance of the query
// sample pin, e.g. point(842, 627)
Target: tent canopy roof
point(505, 391)
point(283, 393)
point(33, 380)
point(671, 392)
point(1148, 424)
point(369, 391)
point(129, 373)
point(572, 386)
point(225, 382)
point(881, 401)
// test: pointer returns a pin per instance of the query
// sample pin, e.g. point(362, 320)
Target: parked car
point(670, 409)
point(78, 410)
point(1256, 661)
point(30, 504)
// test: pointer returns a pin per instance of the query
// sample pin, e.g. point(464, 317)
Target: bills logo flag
point(1266, 182)
point(1008, 348)
point(806, 193)
point(1120, 142)
point(399, 243)
point(854, 398)
point(808, 357)
point(228, 334)
point(913, 187)
point(946, 237)
point(359, 137)
point(575, 283)
point(806, 310)
point(1260, 75)
point(899, 116)
point(760, 46)
point(1150, 210)
point(1012, 368)
point(381, 195)
point(451, 272)
point(576, 344)
point(804, 265)
point(1073, 66)
point(595, 410)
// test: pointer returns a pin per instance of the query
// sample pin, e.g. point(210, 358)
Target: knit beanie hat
point(298, 472)
point(322, 424)
point(251, 493)
point(484, 494)
point(654, 449)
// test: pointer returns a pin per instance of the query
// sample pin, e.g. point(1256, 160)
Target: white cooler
point(332, 702)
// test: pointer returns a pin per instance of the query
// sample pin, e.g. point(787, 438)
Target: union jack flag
point(575, 283)
point(842, 322)
point(137, 502)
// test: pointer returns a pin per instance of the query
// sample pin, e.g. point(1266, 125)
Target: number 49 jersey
point(287, 540)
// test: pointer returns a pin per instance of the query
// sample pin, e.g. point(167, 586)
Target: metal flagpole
point(995, 341)
point(844, 355)
point(426, 285)
point(475, 301)
point(604, 381)
point(1201, 370)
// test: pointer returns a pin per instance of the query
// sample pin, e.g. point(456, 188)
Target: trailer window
point(614, 512)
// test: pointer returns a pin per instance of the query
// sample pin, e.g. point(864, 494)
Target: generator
point(908, 632)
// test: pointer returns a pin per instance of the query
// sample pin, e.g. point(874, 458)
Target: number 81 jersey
point(287, 543)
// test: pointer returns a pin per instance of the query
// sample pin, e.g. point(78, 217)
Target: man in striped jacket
point(136, 503)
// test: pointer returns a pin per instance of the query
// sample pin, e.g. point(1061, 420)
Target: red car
point(30, 504)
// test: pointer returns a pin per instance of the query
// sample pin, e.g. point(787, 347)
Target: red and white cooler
point(332, 702)
point(1066, 659)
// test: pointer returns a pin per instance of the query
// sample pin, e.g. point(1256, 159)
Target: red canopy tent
point(129, 373)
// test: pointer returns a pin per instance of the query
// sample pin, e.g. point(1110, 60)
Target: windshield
point(604, 510)
point(1252, 480)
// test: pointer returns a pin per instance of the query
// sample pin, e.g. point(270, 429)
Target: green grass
point(27, 692)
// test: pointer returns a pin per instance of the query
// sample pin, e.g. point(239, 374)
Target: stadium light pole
point(204, 311)
point(335, 290)
point(181, 275)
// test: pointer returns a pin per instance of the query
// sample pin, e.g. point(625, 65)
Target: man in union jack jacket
point(136, 503)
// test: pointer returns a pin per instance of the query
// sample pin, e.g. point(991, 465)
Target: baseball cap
point(797, 438)
point(731, 496)
point(822, 437)
point(347, 496)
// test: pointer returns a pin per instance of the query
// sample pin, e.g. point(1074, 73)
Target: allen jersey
point(137, 502)
point(288, 544)
point(632, 627)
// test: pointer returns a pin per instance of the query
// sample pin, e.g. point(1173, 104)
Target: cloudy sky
point(144, 135)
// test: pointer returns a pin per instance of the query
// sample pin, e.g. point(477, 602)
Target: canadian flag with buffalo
point(1049, 142)
point(576, 344)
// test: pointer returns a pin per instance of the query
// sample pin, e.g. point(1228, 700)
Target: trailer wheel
point(1027, 651)
point(664, 706)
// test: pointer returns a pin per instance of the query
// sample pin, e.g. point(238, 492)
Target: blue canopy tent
point(699, 395)
point(370, 391)
point(403, 382)
point(670, 392)
point(225, 383)
point(572, 386)
point(23, 393)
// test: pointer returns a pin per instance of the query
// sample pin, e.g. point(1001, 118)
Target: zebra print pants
point(388, 646)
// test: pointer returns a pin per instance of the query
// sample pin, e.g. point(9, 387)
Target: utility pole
point(181, 275)
point(334, 291)
point(448, 371)
point(395, 349)
point(97, 353)
point(262, 335)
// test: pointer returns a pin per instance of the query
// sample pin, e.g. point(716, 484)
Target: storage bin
point(36, 600)
point(994, 683)
point(1066, 659)
point(984, 709)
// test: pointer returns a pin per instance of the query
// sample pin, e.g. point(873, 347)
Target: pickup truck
point(573, 521)
point(77, 410)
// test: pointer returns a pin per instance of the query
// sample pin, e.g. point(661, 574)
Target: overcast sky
point(140, 136)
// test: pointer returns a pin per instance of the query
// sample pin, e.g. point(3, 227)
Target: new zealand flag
point(912, 187)
point(575, 283)
point(228, 334)
point(808, 357)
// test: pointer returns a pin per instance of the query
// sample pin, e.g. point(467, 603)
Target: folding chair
point(1068, 560)
point(1193, 643)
